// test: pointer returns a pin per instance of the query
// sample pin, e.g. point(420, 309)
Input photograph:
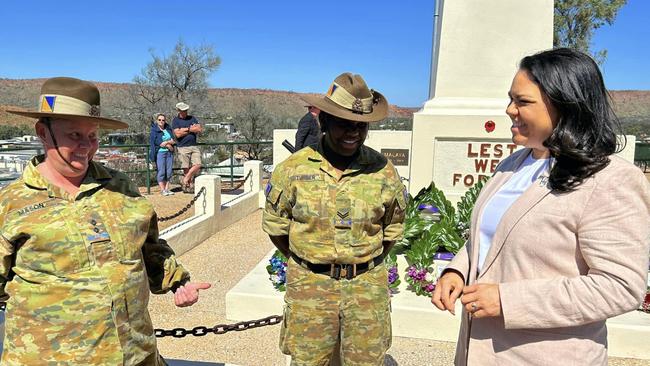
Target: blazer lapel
point(535, 193)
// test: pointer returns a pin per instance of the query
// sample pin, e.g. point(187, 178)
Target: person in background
point(186, 128)
point(559, 234)
point(79, 247)
point(309, 130)
point(335, 209)
point(161, 150)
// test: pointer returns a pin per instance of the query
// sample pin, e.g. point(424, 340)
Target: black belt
point(338, 271)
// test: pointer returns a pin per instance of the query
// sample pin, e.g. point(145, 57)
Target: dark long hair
point(585, 134)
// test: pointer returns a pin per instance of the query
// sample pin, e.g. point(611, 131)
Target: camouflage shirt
point(330, 220)
point(78, 271)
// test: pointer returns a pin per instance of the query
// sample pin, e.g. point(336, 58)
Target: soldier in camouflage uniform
point(79, 247)
point(335, 209)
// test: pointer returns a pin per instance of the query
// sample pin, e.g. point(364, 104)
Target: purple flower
point(428, 208)
point(411, 272)
point(392, 274)
point(430, 287)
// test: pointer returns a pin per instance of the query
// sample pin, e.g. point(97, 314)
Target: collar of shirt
point(361, 162)
point(96, 176)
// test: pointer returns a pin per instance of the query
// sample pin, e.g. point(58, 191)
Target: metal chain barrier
point(201, 330)
point(240, 184)
point(184, 209)
point(218, 329)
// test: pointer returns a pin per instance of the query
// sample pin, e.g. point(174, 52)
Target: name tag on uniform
point(307, 177)
point(31, 208)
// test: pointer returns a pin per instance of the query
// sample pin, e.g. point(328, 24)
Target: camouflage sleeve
point(6, 260)
point(277, 210)
point(164, 272)
point(395, 204)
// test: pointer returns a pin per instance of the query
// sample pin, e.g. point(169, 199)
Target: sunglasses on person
point(347, 125)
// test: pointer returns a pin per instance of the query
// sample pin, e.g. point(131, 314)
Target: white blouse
point(521, 179)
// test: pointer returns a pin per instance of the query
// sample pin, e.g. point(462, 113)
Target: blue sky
point(284, 45)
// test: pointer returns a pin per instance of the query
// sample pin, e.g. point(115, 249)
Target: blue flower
point(428, 208)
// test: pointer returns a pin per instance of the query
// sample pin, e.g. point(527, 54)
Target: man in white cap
point(186, 128)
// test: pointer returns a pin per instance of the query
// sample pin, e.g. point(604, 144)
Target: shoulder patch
point(268, 188)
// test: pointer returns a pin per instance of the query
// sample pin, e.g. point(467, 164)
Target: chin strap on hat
point(48, 123)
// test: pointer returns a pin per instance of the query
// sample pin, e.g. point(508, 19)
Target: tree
point(166, 80)
point(576, 20)
point(255, 124)
point(9, 131)
point(185, 71)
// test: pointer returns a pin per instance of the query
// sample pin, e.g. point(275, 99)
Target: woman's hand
point(482, 300)
point(447, 290)
point(188, 294)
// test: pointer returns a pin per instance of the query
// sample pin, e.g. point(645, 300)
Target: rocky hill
point(22, 94)
point(632, 106)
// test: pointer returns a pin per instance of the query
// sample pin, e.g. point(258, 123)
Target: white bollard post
point(255, 183)
point(212, 199)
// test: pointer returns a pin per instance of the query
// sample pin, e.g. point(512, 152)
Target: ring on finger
point(474, 307)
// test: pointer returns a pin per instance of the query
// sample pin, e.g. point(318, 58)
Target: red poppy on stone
point(489, 126)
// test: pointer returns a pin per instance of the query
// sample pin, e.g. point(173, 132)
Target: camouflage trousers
point(319, 310)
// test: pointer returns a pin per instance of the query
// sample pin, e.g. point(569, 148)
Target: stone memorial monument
point(462, 132)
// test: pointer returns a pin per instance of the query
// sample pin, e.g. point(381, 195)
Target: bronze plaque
point(399, 157)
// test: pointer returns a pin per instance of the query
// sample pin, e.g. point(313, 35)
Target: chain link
point(184, 209)
point(240, 184)
point(218, 329)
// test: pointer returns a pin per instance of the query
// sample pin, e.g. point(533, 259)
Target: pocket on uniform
point(309, 200)
point(284, 336)
point(367, 212)
point(383, 318)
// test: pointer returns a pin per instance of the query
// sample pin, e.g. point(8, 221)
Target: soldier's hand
point(447, 290)
point(188, 294)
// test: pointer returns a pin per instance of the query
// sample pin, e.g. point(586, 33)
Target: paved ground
point(223, 260)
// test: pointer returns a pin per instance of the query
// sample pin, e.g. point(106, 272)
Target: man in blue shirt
point(186, 128)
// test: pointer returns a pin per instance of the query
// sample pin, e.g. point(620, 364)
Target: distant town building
point(15, 154)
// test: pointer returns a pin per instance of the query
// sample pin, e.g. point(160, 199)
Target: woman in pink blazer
point(559, 235)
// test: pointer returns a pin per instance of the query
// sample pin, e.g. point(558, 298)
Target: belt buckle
point(347, 271)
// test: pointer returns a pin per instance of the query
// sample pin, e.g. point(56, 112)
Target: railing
point(148, 170)
point(642, 155)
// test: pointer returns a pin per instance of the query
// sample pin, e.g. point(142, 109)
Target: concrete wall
point(217, 215)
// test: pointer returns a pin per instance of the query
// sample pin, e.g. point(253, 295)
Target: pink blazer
point(564, 262)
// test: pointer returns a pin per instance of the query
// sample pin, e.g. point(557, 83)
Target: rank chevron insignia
point(343, 215)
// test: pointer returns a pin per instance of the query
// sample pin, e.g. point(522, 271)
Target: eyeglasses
point(161, 120)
